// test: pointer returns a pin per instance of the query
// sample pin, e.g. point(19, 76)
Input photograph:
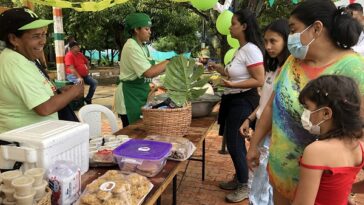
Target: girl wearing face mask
point(330, 163)
point(276, 53)
point(320, 41)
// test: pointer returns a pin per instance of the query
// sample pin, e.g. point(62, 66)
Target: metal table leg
point(159, 200)
point(174, 202)
point(203, 159)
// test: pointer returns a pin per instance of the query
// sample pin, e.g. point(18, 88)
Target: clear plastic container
point(181, 150)
point(142, 156)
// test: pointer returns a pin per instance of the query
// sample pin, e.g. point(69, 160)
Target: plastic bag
point(114, 188)
point(182, 148)
point(65, 181)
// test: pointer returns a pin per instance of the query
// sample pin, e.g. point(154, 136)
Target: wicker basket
point(47, 198)
point(167, 122)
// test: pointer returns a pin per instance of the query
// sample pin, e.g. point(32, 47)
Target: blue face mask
point(295, 46)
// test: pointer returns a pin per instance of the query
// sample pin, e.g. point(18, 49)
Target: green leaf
point(197, 72)
point(201, 82)
point(183, 80)
point(197, 93)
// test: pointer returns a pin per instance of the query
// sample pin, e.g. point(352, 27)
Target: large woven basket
point(167, 122)
point(47, 198)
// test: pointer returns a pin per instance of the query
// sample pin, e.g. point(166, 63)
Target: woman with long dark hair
point(320, 41)
point(244, 74)
point(276, 53)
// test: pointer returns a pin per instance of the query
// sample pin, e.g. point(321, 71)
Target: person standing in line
point(329, 165)
point(137, 69)
point(320, 45)
point(245, 73)
point(356, 10)
point(77, 70)
point(276, 53)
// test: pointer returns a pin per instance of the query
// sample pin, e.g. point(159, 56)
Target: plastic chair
point(91, 114)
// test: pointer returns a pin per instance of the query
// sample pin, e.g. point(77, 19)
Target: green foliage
point(179, 44)
point(183, 80)
point(280, 9)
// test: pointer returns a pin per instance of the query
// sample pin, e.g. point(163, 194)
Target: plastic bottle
point(65, 181)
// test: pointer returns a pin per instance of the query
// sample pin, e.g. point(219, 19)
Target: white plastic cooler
point(43, 143)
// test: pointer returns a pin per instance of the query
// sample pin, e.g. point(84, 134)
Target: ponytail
point(345, 31)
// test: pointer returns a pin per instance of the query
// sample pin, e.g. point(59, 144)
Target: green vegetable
point(183, 80)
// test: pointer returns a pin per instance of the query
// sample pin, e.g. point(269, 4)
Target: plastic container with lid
point(142, 156)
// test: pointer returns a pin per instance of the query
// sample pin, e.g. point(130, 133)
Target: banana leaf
point(183, 80)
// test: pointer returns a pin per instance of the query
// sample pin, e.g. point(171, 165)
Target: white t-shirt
point(267, 91)
point(246, 57)
point(359, 47)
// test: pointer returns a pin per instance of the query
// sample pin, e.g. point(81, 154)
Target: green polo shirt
point(22, 87)
point(133, 63)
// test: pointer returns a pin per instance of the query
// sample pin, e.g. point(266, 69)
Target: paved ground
point(191, 190)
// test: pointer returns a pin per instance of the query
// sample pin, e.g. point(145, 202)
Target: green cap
point(16, 19)
point(136, 20)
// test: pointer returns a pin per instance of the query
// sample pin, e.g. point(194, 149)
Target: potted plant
point(183, 83)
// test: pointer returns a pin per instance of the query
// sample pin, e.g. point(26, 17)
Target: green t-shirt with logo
point(133, 63)
point(22, 87)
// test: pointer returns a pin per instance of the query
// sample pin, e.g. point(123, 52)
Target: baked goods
point(182, 148)
point(149, 168)
point(114, 188)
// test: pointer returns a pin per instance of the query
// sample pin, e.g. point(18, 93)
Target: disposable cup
point(9, 194)
point(40, 190)
point(109, 138)
point(23, 185)
point(122, 137)
point(9, 176)
point(37, 174)
point(7, 202)
point(25, 200)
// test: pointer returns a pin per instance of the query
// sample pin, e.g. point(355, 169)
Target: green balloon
point(234, 43)
point(229, 55)
point(223, 22)
point(203, 4)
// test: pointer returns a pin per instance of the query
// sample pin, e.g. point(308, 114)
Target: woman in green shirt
point(136, 69)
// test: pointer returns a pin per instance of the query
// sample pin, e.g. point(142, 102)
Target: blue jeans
point(261, 192)
point(238, 109)
point(88, 81)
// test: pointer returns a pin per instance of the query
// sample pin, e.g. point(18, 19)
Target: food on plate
point(89, 199)
point(114, 188)
point(104, 195)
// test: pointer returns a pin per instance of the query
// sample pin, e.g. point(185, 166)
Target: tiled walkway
point(191, 190)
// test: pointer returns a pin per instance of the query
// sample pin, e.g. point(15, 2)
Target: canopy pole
point(59, 42)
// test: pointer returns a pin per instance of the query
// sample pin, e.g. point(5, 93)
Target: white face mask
point(307, 124)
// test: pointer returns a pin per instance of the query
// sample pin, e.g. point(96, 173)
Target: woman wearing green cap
point(136, 69)
point(27, 95)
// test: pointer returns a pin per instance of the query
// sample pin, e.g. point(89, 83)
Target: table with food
point(58, 162)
